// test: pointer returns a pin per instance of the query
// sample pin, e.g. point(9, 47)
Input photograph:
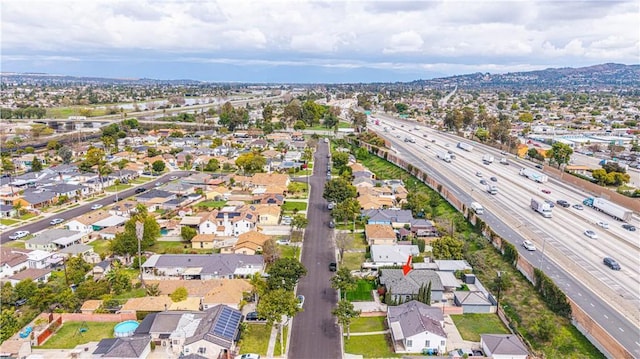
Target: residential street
point(315, 333)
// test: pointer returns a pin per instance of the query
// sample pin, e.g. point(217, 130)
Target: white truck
point(444, 156)
point(618, 212)
point(465, 146)
point(409, 139)
point(477, 207)
point(541, 207)
point(492, 189)
point(534, 175)
point(487, 158)
point(504, 161)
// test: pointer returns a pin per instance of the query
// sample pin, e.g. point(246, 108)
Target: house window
point(186, 350)
point(407, 298)
point(202, 350)
point(201, 244)
point(176, 342)
point(442, 343)
point(427, 343)
point(409, 343)
point(207, 225)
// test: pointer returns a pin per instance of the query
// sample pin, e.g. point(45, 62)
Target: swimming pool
point(125, 329)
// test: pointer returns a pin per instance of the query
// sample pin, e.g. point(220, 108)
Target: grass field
point(68, 336)
point(101, 246)
point(117, 188)
point(291, 206)
point(353, 260)
point(212, 204)
point(370, 346)
point(163, 247)
point(289, 251)
point(368, 324)
point(141, 180)
point(472, 325)
point(255, 339)
point(19, 244)
point(8, 222)
point(276, 351)
point(362, 293)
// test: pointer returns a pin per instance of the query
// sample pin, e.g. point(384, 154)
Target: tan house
point(379, 234)
point(203, 241)
point(90, 306)
point(268, 214)
point(270, 180)
point(219, 193)
point(209, 292)
point(159, 304)
point(369, 201)
point(248, 243)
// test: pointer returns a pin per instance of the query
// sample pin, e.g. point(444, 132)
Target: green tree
point(270, 251)
point(526, 117)
point(126, 243)
point(179, 294)
point(299, 125)
point(76, 268)
point(401, 107)
point(267, 113)
point(251, 162)
point(158, 166)
point(65, 154)
point(284, 273)
point(345, 313)
point(188, 233)
point(91, 289)
point(212, 166)
point(36, 164)
point(153, 290)
point(299, 221)
point(274, 305)
point(343, 281)
point(447, 248)
point(7, 165)
point(560, 153)
point(338, 190)
point(9, 324)
point(346, 210)
point(340, 160)
point(53, 145)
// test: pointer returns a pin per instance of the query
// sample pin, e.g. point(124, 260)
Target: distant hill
point(592, 77)
point(604, 76)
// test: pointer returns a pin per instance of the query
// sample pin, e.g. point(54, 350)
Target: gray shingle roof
point(38, 197)
point(213, 264)
point(504, 344)
point(398, 283)
point(155, 193)
point(471, 298)
point(416, 317)
point(389, 215)
point(204, 332)
point(51, 235)
point(131, 347)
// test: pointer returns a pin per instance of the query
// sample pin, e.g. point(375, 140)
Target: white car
point(300, 300)
point(528, 245)
point(56, 221)
point(602, 224)
point(19, 234)
point(248, 356)
point(591, 234)
point(96, 206)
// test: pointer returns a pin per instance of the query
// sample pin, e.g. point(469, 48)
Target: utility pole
point(139, 235)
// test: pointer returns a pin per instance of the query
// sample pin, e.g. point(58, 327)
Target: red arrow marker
point(407, 267)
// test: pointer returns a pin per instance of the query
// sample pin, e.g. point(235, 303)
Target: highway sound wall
point(581, 319)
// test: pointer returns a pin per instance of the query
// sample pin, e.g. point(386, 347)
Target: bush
point(179, 294)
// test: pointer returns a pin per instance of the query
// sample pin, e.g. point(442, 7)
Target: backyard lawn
point(14, 244)
point(353, 260)
point(68, 336)
point(362, 293)
point(368, 324)
point(212, 204)
point(165, 247)
point(100, 246)
point(370, 346)
point(291, 206)
point(472, 325)
point(255, 339)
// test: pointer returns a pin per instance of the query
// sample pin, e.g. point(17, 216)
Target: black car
point(253, 316)
point(494, 179)
point(333, 266)
point(332, 224)
point(629, 227)
point(563, 203)
point(140, 190)
point(611, 263)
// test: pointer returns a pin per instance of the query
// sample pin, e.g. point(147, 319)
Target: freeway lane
point(77, 211)
point(314, 332)
point(625, 331)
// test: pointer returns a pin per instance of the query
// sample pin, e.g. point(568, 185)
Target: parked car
point(248, 356)
point(563, 203)
point(494, 179)
point(603, 224)
point(252, 316)
point(547, 191)
point(478, 174)
point(629, 227)
point(578, 207)
point(140, 190)
point(96, 206)
point(20, 302)
point(333, 266)
point(539, 166)
point(528, 245)
point(591, 234)
point(611, 263)
point(300, 300)
point(173, 178)
point(56, 221)
point(19, 234)
point(483, 182)
point(332, 224)
point(550, 203)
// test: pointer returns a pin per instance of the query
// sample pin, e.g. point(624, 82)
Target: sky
point(296, 41)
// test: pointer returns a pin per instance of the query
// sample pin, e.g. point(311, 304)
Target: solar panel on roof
point(227, 323)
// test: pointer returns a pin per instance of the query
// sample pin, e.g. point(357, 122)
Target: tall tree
point(338, 190)
point(345, 313)
point(285, 273)
point(36, 164)
point(343, 281)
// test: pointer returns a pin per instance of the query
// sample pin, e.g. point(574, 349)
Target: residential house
point(90, 306)
point(7, 211)
point(123, 208)
point(272, 182)
point(268, 198)
point(268, 214)
point(423, 228)
point(124, 348)
point(12, 261)
point(80, 250)
point(379, 234)
point(203, 241)
point(417, 328)
point(203, 266)
point(85, 222)
point(385, 255)
point(34, 199)
point(219, 193)
point(473, 301)
point(100, 269)
point(54, 239)
point(405, 287)
point(37, 275)
point(179, 188)
point(159, 304)
point(370, 202)
point(209, 292)
point(70, 191)
point(229, 221)
point(397, 218)
point(154, 198)
point(503, 346)
point(41, 259)
point(248, 243)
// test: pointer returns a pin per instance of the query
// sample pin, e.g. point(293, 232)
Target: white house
point(13, 261)
point(417, 327)
point(85, 222)
point(503, 346)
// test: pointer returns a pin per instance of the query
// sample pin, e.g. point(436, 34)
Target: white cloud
point(407, 41)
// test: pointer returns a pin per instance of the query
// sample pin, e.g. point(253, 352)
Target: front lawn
point(276, 351)
point(353, 260)
point(289, 251)
point(8, 222)
point(141, 180)
point(362, 293)
point(255, 339)
point(368, 324)
point(370, 346)
point(292, 206)
point(19, 244)
point(165, 247)
point(68, 336)
point(472, 325)
point(117, 188)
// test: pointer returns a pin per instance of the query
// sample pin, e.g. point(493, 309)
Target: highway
point(564, 252)
point(43, 224)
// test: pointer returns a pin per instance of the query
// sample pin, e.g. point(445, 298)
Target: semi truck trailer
point(534, 175)
point(618, 212)
point(465, 146)
point(541, 207)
